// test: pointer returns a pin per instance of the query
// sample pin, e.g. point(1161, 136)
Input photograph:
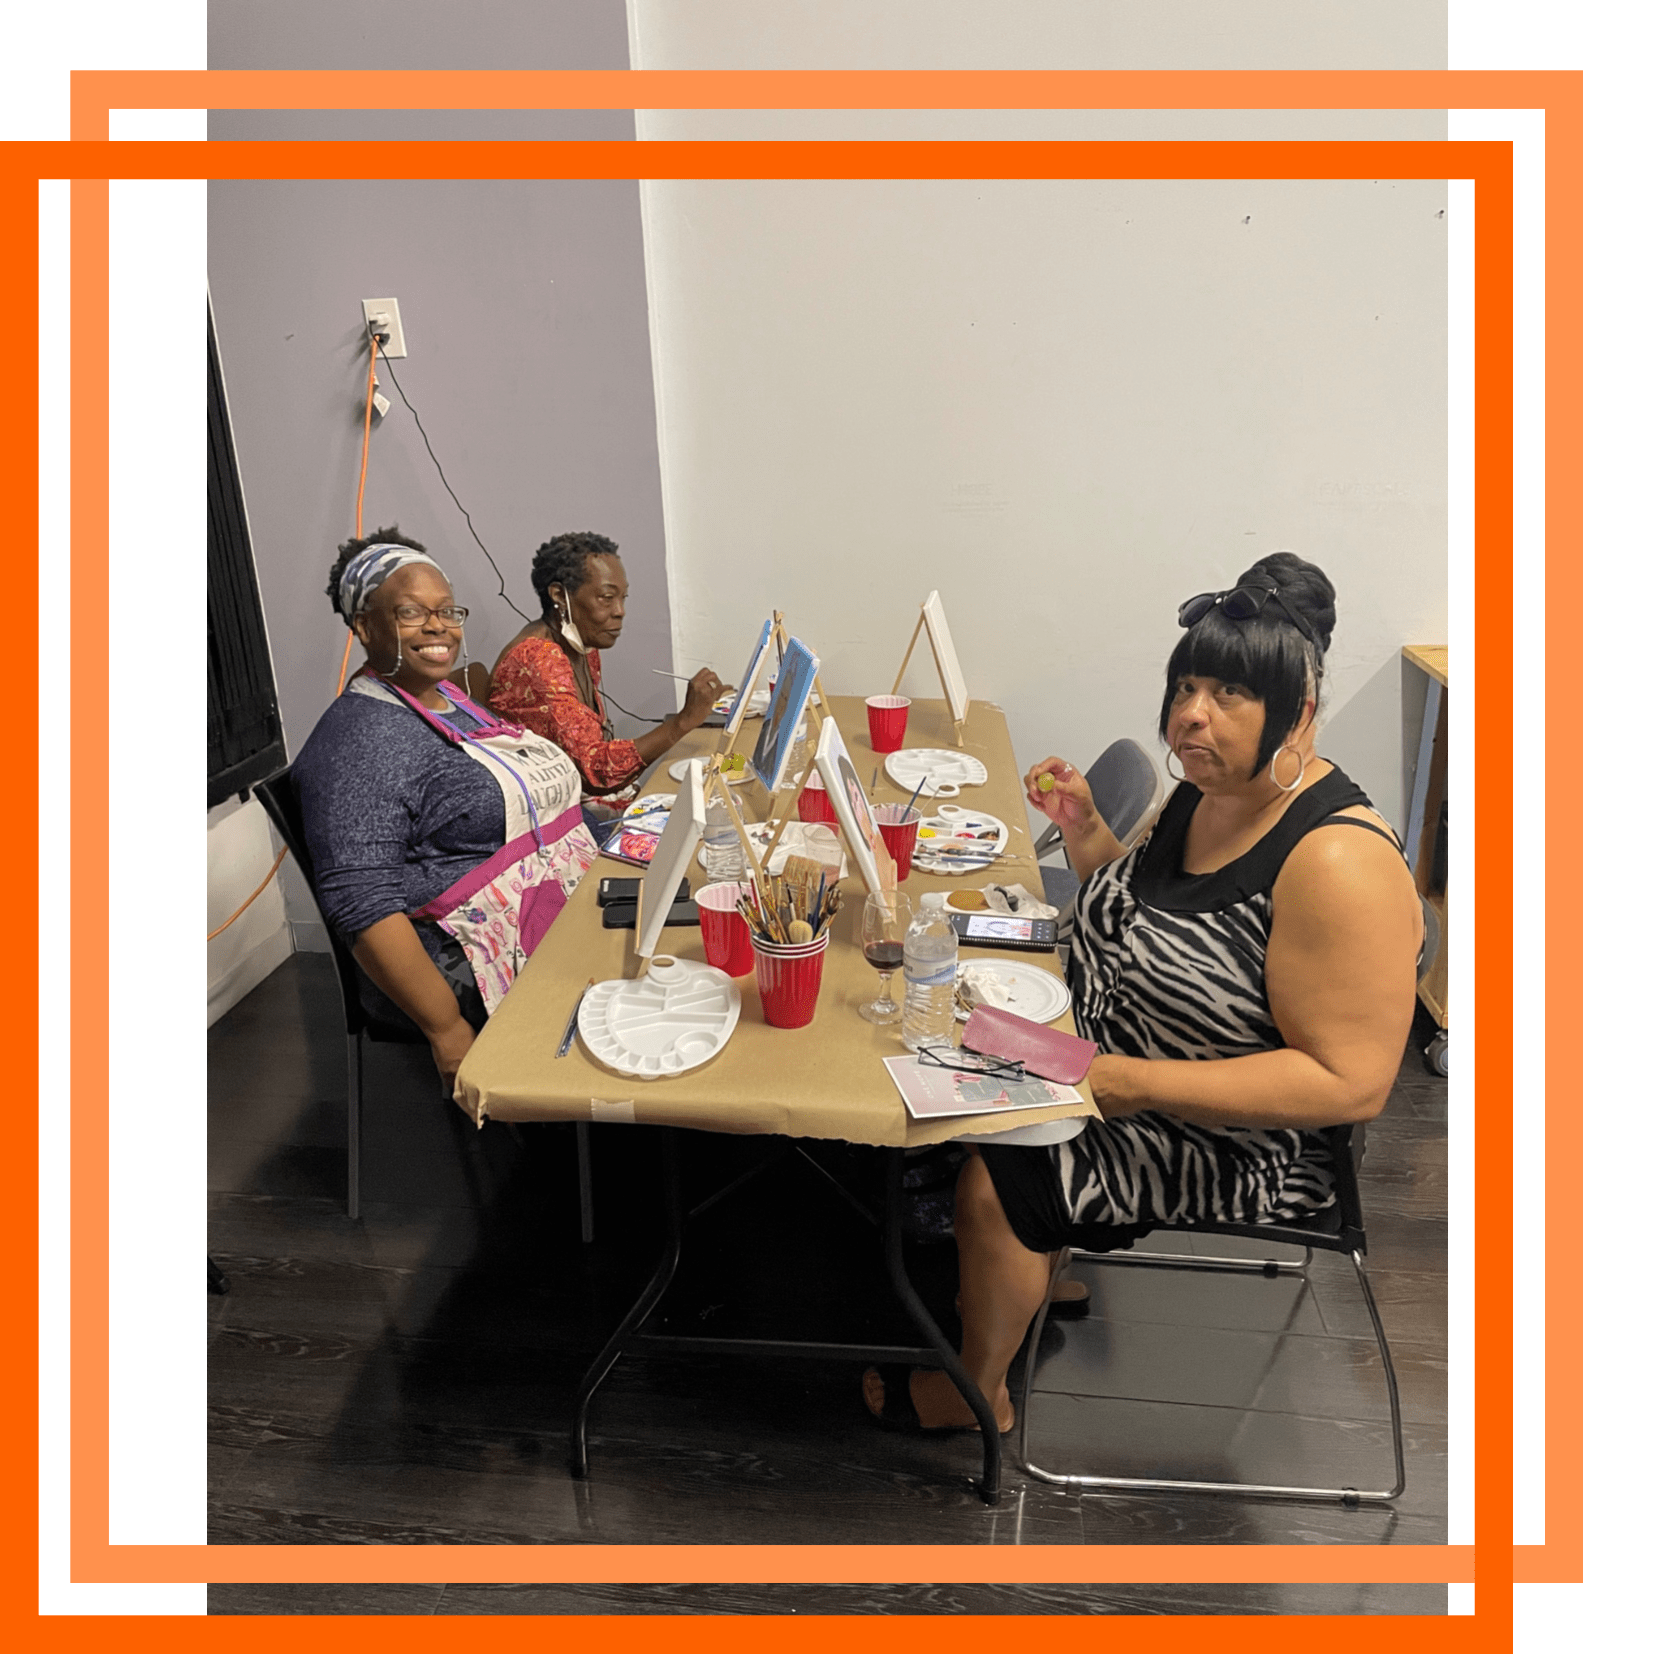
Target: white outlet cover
point(391, 312)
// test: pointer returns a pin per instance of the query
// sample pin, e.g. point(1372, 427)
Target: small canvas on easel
point(856, 824)
point(749, 682)
point(682, 832)
point(793, 682)
point(933, 622)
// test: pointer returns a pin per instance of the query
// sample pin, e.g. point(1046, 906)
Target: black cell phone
point(625, 890)
point(1004, 930)
point(623, 915)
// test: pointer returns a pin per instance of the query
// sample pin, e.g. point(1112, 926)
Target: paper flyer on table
point(933, 1093)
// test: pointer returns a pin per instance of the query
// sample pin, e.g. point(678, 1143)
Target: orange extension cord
point(361, 490)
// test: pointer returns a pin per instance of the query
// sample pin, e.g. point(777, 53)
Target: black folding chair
point(281, 802)
point(1337, 1228)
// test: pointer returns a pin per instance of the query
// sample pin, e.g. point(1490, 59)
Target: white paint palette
point(670, 1021)
point(956, 840)
point(943, 771)
point(735, 778)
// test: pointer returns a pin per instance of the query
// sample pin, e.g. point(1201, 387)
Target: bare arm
point(1339, 974)
point(1068, 802)
point(392, 954)
point(699, 694)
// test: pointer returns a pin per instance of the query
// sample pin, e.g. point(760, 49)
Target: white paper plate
point(1039, 1136)
point(947, 771)
point(757, 705)
point(650, 1030)
point(1034, 992)
point(956, 841)
point(735, 778)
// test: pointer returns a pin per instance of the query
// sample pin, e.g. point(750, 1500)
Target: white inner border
point(167, 1507)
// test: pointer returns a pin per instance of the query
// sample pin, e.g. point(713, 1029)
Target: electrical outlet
point(385, 316)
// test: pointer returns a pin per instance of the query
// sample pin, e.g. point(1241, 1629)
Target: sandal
point(899, 1413)
point(1070, 1309)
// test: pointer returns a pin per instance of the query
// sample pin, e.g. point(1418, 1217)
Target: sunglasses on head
point(1241, 603)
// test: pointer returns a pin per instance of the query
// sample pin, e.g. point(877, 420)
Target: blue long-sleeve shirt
point(393, 813)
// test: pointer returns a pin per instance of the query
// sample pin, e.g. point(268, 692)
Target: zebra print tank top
point(1165, 963)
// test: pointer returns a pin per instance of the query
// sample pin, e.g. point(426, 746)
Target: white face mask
point(571, 632)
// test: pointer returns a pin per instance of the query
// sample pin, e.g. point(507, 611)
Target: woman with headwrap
point(444, 840)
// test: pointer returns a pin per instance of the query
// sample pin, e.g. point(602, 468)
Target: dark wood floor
point(408, 1378)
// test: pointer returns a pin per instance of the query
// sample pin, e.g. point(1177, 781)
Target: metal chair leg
point(353, 1127)
point(1389, 1378)
point(1144, 1484)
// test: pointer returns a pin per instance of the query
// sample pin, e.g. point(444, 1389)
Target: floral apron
point(499, 911)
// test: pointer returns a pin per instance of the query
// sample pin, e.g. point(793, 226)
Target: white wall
point(240, 850)
point(1068, 405)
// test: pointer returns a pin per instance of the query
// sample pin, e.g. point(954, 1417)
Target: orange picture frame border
point(89, 162)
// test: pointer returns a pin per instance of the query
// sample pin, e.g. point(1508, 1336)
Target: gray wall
point(526, 319)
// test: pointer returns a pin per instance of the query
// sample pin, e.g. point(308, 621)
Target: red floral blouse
point(534, 685)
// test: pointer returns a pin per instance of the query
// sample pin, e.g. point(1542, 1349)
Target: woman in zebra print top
point(1247, 978)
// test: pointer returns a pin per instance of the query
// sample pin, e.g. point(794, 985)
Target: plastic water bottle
point(725, 859)
point(930, 961)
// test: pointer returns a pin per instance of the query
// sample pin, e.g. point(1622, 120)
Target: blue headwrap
point(368, 570)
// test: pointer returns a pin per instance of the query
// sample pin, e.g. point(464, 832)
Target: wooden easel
point(780, 638)
point(901, 671)
point(817, 693)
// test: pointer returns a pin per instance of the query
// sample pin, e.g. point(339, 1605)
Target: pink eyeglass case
point(1048, 1052)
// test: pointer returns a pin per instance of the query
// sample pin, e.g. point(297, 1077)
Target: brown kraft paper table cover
point(826, 1080)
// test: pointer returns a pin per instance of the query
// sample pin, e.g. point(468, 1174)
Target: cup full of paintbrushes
point(790, 919)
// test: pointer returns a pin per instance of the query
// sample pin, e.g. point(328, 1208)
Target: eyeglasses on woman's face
point(416, 614)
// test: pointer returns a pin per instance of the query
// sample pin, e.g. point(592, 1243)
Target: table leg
point(640, 1311)
point(946, 1355)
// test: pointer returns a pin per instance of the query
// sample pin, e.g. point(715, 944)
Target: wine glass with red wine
point(885, 916)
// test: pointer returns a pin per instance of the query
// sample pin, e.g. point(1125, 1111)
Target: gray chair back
point(1125, 783)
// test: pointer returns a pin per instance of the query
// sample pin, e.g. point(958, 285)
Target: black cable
point(452, 495)
point(611, 701)
point(636, 717)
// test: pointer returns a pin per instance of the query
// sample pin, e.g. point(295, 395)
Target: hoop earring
point(1170, 755)
point(1297, 779)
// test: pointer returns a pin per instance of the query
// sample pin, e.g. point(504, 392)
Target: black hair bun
point(1303, 585)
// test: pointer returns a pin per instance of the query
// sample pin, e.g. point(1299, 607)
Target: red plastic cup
point(887, 721)
point(789, 979)
point(724, 935)
point(899, 827)
point(814, 804)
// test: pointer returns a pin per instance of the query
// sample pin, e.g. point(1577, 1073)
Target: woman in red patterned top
point(549, 677)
